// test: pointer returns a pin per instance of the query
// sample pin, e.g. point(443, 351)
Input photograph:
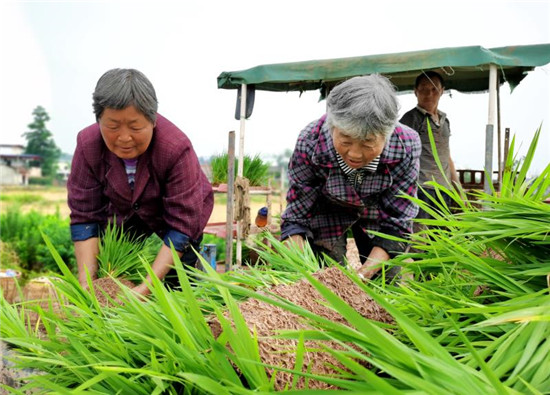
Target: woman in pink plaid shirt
point(349, 172)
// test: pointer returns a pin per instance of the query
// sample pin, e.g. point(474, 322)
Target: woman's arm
point(161, 266)
point(86, 252)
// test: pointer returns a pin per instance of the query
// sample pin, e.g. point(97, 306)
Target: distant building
point(15, 166)
point(63, 170)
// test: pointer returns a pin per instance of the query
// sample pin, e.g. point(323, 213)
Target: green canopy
point(465, 69)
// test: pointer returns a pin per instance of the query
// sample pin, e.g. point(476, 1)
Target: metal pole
point(489, 128)
point(499, 136)
point(239, 252)
point(506, 144)
point(241, 132)
point(230, 200)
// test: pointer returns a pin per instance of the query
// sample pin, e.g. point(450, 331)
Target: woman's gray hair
point(363, 106)
point(121, 88)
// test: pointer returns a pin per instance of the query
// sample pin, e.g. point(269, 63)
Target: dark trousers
point(364, 246)
point(137, 229)
point(189, 258)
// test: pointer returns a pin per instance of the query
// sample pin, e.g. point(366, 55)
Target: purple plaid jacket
point(322, 205)
point(171, 196)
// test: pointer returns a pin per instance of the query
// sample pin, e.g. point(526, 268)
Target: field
point(49, 200)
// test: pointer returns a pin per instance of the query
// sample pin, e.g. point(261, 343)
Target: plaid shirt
point(323, 205)
point(171, 196)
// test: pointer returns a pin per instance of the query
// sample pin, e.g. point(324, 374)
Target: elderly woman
point(136, 166)
point(349, 171)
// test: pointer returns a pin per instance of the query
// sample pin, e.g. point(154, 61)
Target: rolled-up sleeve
point(180, 240)
point(81, 232)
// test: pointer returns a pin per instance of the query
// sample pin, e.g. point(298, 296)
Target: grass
point(22, 199)
point(44, 200)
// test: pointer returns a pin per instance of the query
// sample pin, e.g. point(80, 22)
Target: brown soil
point(107, 286)
point(265, 320)
point(489, 252)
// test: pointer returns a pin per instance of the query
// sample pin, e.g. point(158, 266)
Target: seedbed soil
point(266, 320)
point(106, 287)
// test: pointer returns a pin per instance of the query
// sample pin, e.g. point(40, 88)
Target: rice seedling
point(475, 320)
point(254, 169)
point(123, 256)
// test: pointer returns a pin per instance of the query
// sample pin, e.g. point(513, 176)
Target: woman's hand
point(295, 241)
point(373, 263)
point(142, 289)
point(367, 271)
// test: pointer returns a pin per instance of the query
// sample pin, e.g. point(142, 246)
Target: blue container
point(208, 252)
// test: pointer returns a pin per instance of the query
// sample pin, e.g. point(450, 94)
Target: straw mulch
point(266, 320)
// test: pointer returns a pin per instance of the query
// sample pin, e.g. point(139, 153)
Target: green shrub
point(22, 232)
point(221, 245)
point(58, 230)
point(8, 256)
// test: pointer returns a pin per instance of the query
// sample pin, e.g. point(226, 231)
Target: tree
point(40, 142)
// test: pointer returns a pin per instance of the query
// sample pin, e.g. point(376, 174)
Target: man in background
point(429, 87)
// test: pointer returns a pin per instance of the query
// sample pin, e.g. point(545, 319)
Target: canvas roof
point(465, 69)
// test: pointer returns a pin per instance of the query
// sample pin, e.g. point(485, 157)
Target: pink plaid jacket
point(323, 205)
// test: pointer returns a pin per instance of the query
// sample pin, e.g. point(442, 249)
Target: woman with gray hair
point(138, 167)
point(348, 172)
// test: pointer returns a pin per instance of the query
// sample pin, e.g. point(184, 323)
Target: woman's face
point(357, 153)
point(127, 132)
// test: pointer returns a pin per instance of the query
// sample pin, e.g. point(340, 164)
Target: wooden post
point(268, 203)
point(282, 196)
point(230, 200)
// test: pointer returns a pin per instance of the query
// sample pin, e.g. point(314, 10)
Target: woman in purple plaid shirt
point(349, 172)
point(138, 167)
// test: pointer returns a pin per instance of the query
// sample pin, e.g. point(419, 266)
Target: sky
point(55, 51)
